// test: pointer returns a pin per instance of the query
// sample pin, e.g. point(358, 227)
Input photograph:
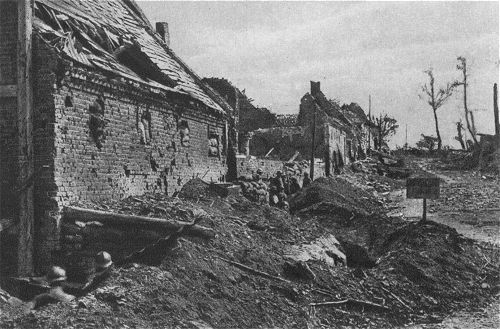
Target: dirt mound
point(434, 265)
point(196, 188)
point(337, 197)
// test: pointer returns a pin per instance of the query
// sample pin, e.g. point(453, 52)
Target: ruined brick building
point(249, 117)
point(340, 132)
point(115, 113)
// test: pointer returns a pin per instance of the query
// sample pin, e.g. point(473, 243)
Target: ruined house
point(248, 116)
point(334, 134)
point(361, 126)
point(340, 133)
point(115, 113)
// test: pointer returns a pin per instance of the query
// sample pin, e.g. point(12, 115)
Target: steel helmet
point(56, 274)
point(103, 260)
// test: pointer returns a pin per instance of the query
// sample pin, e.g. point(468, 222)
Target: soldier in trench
point(56, 277)
point(103, 270)
point(276, 188)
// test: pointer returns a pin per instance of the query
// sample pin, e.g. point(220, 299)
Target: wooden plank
point(8, 91)
point(25, 166)
point(422, 188)
point(151, 223)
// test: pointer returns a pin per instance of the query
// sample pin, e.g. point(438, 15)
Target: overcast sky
point(273, 50)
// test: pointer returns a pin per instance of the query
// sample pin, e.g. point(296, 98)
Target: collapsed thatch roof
point(115, 36)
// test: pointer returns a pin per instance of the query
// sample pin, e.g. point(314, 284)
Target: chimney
point(162, 30)
point(315, 88)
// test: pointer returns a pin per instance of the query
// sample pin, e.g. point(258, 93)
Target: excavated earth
point(410, 272)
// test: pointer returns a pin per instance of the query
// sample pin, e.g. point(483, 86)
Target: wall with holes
point(99, 138)
point(111, 146)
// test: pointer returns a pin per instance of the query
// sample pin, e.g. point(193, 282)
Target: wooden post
point(495, 112)
point(25, 160)
point(424, 213)
point(369, 122)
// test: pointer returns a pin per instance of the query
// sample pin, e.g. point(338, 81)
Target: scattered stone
point(299, 270)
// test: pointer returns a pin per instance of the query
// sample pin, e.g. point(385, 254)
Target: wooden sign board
point(422, 188)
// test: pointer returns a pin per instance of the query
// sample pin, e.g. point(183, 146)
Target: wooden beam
point(25, 160)
point(8, 91)
point(495, 113)
point(124, 220)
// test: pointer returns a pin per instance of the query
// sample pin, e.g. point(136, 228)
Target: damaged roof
point(335, 117)
point(115, 36)
point(354, 113)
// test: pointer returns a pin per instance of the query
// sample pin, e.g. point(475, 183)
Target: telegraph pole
point(369, 121)
point(406, 137)
point(495, 112)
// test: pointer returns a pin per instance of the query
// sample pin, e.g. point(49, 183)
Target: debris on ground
point(194, 189)
point(335, 196)
point(398, 272)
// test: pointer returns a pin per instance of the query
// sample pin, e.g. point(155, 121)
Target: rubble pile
point(433, 265)
point(337, 197)
point(267, 268)
point(367, 165)
point(195, 189)
point(484, 157)
point(383, 165)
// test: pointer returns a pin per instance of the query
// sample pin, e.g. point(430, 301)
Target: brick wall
point(69, 165)
point(124, 165)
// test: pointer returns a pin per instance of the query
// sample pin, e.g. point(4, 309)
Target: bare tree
point(462, 66)
point(436, 99)
point(459, 137)
point(386, 128)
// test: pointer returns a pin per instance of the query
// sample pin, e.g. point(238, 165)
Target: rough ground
point(420, 273)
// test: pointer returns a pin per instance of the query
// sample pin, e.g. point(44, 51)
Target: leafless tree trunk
point(462, 66)
point(460, 137)
point(436, 100)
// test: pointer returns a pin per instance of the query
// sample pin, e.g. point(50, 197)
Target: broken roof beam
point(116, 219)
